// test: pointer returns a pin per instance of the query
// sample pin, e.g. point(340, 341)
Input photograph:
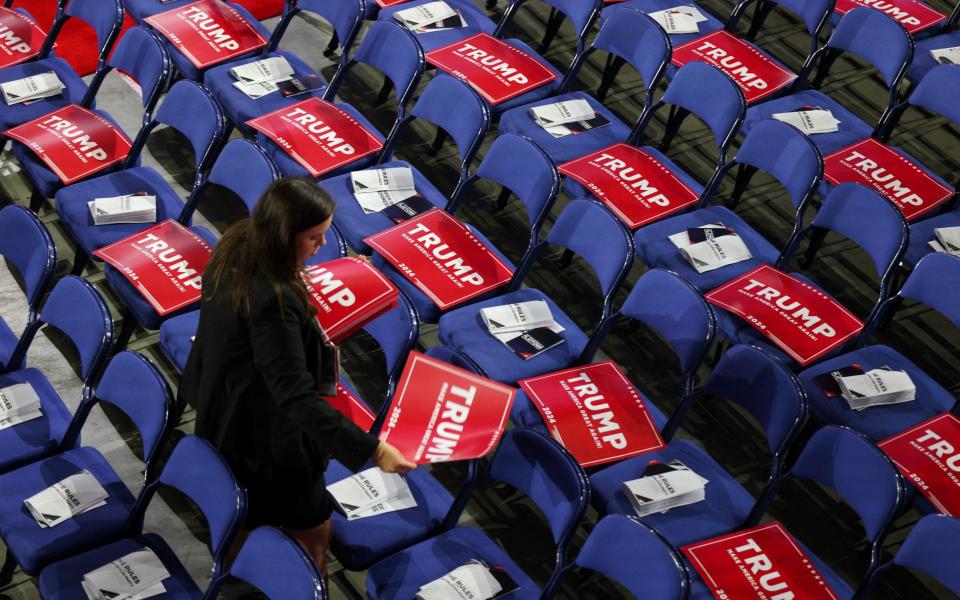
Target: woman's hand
point(389, 459)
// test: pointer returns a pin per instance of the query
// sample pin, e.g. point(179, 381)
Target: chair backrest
point(28, 246)
point(932, 547)
point(396, 332)
point(104, 16)
point(582, 14)
point(344, 16)
point(142, 55)
point(244, 168)
point(815, 14)
point(277, 565)
point(933, 93)
point(637, 39)
point(933, 274)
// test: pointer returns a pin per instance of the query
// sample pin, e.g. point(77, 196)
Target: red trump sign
point(208, 32)
point(912, 14)
point(928, 455)
point(352, 407)
point(20, 38)
point(348, 293)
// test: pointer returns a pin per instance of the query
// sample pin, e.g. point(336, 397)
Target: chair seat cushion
point(175, 337)
point(656, 250)
point(71, 205)
point(922, 232)
point(877, 422)
point(518, 120)
point(400, 576)
point(17, 114)
point(35, 546)
point(463, 330)
point(576, 190)
point(8, 341)
point(61, 580)
point(538, 93)
point(923, 61)
point(360, 542)
point(725, 508)
point(524, 413)
point(648, 6)
point(30, 440)
point(475, 17)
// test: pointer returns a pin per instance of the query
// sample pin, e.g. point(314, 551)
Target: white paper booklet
point(131, 208)
point(947, 56)
point(517, 317)
point(676, 20)
point(472, 581)
point(371, 492)
point(425, 14)
point(18, 403)
point(877, 387)
point(949, 239)
point(135, 576)
point(720, 247)
point(815, 120)
point(259, 78)
point(65, 499)
point(377, 189)
point(43, 85)
point(559, 113)
point(665, 486)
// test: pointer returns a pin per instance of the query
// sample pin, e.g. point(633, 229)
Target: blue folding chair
point(815, 16)
point(946, 37)
point(476, 19)
point(466, 126)
point(863, 32)
point(775, 148)
point(584, 228)
point(197, 471)
point(76, 309)
point(188, 109)
point(534, 464)
point(761, 385)
point(277, 565)
point(926, 285)
point(632, 38)
point(389, 48)
point(711, 24)
point(130, 384)
point(141, 9)
point(344, 16)
point(25, 244)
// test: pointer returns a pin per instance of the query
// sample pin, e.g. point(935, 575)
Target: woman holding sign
point(260, 367)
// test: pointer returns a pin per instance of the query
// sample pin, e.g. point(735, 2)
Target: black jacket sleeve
point(308, 422)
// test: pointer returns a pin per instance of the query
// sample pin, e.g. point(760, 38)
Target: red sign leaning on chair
point(348, 293)
point(207, 32)
point(351, 407)
point(20, 38)
point(928, 455)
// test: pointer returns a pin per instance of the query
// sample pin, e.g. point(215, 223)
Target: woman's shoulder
point(269, 297)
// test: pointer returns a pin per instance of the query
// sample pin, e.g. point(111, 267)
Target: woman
point(259, 369)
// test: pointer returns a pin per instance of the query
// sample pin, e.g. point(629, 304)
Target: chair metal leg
point(438, 142)
point(491, 4)
point(674, 121)
point(332, 46)
point(610, 70)
point(551, 30)
point(744, 174)
point(129, 324)
point(384, 92)
point(566, 259)
point(760, 14)
point(9, 568)
point(817, 235)
point(503, 198)
point(36, 201)
point(80, 261)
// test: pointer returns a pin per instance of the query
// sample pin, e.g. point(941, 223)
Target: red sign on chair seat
point(351, 407)
point(765, 563)
point(912, 14)
point(800, 319)
point(348, 294)
point(928, 455)
point(595, 412)
point(388, 3)
point(165, 263)
point(73, 141)
point(443, 258)
point(20, 38)
point(876, 165)
point(755, 73)
point(317, 134)
point(497, 70)
point(207, 32)
point(634, 184)
point(441, 413)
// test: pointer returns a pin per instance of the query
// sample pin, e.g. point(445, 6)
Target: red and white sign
point(595, 412)
point(20, 38)
point(928, 455)
point(878, 166)
point(802, 320)
point(635, 185)
point(765, 563)
point(442, 413)
point(208, 32)
point(389, 3)
point(348, 293)
point(318, 135)
point(443, 258)
point(497, 70)
point(912, 14)
point(352, 407)
point(165, 263)
point(756, 74)
point(73, 141)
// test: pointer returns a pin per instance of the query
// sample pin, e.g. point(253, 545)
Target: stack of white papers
point(679, 19)
point(72, 496)
point(554, 116)
point(432, 16)
point(527, 328)
point(260, 78)
point(814, 120)
point(472, 581)
point(18, 403)
point(948, 240)
point(665, 486)
point(43, 85)
point(135, 576)
point(718, 248)
point(876, 387)
point(131, 208)
point(371, 492)
point(377, 189)
point(947, 56)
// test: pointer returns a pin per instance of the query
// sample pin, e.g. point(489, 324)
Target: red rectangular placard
point(441, 413)
point(73, 141)
point(443, 258)
point(20, 38)
point(755, 73)
point(928, 455)
point(635, 185)
point(318, 135)
point(388, 3)
point(352, 407)
point(765, 563)
point(208, 32)
point(165, 263)
point(348, 294)
point(912, 14)
point(876, 165)
point(800, 319)
point(595, 412)
point(497, 70)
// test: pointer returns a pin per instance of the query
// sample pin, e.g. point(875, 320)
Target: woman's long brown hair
point(264, 245)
